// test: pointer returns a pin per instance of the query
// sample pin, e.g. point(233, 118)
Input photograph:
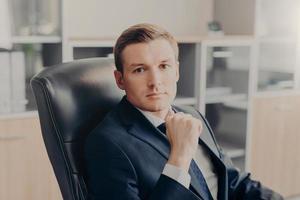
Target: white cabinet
point(274, 84)
point(25, 170)
point(274, 108)
point(274, 150)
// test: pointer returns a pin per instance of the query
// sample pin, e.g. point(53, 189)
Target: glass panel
point(227, 98)
point(227, 74)
point(35, 17)
point(38, 56)
point(187, 67)
point(18, 67)
point(34, 64)
point(278, 27)
point(229, 124)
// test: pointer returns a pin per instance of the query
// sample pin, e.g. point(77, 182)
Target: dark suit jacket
point(125, 156)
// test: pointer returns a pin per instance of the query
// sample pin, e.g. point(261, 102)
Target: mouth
point(155, 94)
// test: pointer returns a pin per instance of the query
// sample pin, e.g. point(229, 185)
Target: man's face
point(150, 75)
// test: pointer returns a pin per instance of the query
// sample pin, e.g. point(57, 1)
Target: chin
point(158, 106)
point(152, 105)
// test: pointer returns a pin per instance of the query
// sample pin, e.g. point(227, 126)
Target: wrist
point(182, 162)
point(178, 174)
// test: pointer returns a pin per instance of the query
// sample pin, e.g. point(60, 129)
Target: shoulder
point(105, 131)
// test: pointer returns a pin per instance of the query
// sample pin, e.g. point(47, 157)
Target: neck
point(161, 114)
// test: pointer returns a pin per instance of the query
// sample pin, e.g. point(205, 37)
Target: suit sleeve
point(240, 185)
point(111, 175)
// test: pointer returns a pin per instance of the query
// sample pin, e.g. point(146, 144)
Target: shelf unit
point(274, 105)
point(36, 39)
point(20, 135)
point(35, 52)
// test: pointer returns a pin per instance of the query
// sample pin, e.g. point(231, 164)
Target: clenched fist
point(183, 131)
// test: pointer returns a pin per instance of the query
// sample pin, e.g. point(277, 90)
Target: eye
point(164, 66)
point(139, 70)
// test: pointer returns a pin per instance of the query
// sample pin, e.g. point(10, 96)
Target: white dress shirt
point(201, 158)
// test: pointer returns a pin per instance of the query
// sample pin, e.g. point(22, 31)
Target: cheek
point(171, 80)
point(171, 87)
point(174, 87)
point(134, 87)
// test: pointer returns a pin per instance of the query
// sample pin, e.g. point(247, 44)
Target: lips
point(155, 94)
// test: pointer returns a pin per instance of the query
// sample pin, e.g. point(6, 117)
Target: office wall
point(107, 18)
point(236, 16)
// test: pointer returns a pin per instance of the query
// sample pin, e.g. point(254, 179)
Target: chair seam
point(57, 131)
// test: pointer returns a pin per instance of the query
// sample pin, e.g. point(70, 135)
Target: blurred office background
point(239, 65)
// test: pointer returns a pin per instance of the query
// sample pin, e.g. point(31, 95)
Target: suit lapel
point(152, 137)
point(138, 126)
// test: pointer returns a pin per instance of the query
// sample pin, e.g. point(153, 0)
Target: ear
point(177, 71)
point(119, 79)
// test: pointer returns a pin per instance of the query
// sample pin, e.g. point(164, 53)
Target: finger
point(189, 116)
point(178, 115)
point(169, 115)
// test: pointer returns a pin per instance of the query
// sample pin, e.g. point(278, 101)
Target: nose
point(154, 78)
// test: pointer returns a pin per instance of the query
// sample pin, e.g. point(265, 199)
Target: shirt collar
point(156, 121)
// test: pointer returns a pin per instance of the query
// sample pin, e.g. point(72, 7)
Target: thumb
point(169, 114)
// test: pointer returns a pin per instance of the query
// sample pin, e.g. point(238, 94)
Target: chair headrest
point(78, 94)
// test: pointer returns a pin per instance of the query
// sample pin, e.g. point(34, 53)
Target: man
point(147, 149)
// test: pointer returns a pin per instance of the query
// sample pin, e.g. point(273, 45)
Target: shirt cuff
point(177, 174)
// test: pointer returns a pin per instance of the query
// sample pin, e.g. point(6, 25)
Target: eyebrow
point(136, 64)
point(143, 64)
point(166, 60)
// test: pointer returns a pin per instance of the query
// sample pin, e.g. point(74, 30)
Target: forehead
point(153, 51)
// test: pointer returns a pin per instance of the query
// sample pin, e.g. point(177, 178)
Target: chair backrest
point(72, 98)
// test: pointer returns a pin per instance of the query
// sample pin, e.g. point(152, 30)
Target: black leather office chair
point(72, 98)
